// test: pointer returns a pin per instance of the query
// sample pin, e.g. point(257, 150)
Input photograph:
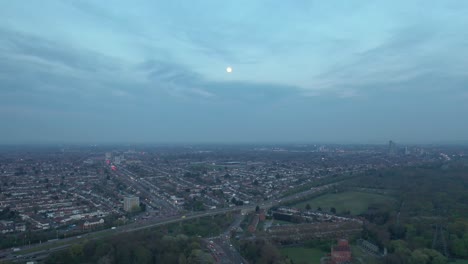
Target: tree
point(307, 207)
point(397, 231)
point(459, 247)
point(269, 254)
point(89, 249)
point(393, 259)
point(333, 210)
point(194, 256)
point(198, 206)
point(434, 256)
point(418, 257)
point(427, 256)
point(257, 208)
point(76, 252)
point(319, 209)
point(182, 259)
point(142, 255)
point(399, 247)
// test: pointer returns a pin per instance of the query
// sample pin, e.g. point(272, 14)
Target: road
point(8, 254)
point(222, 249)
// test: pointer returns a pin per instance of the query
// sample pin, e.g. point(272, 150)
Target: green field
point(356, 202)
point(303, 255)
point(461, 261)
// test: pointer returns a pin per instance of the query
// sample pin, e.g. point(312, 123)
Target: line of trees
point(152, 247)
point(174, 243)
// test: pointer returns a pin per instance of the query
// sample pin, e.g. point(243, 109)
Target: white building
point(131, 202)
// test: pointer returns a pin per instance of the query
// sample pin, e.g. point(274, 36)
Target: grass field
point(461, 261)
point(356, 202)
point(303, 255)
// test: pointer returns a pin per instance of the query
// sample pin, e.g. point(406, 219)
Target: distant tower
point(392, 148)
point(407, 152)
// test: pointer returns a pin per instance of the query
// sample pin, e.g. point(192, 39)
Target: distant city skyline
point(299, 72)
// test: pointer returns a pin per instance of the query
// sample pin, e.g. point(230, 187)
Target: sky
point(303, 71)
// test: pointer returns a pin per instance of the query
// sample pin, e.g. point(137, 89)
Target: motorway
point(61, 244)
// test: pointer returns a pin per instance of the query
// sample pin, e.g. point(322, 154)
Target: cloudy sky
point(303, 71)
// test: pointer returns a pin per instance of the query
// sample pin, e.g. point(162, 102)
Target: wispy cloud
point(296, 63)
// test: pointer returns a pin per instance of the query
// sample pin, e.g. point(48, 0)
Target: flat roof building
point(131, 202)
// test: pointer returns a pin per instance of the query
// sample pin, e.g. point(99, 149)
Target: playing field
point(356, 202)
point(303, 255)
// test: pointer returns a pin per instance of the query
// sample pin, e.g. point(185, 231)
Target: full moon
point(228, 69)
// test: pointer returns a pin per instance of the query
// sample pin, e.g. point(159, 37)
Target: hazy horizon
point(400, 144)
point(155, 71)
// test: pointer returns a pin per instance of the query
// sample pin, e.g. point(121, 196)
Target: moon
point(229, 69)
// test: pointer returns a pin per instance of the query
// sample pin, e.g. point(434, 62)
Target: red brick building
point(341, 253)
point(261, 215)
point(253, 225)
